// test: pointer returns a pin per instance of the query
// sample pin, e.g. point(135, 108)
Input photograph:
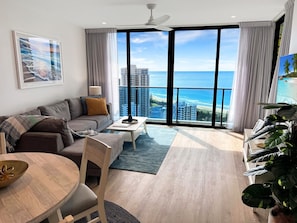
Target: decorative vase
point(130, 119)
point(278, 215)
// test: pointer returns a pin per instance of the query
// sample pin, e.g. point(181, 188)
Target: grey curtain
point(101, 47)
point(252, 78)
point(283, 50)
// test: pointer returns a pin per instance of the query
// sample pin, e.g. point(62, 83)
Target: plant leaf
point(259, 170)
point(274, 105)
point(258, 196)
point(261, 132)
point(262, 154)
point(277, 137)
point(290, 113)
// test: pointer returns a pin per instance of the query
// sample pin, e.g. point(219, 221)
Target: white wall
point(293, 43)
point(13, 17)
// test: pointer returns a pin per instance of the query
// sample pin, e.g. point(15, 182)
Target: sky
point(195, 50)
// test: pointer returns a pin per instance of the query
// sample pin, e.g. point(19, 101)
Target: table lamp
point(95, 90)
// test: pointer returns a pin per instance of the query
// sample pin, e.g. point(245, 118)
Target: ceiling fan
point(155, 23)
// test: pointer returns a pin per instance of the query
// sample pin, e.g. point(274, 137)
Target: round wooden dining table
point(49, 181)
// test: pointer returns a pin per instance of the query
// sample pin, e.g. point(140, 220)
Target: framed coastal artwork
point(38, 60)
point(287, 79)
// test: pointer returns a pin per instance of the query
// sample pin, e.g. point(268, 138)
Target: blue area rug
point(150, 152)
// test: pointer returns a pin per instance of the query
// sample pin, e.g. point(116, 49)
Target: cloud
point(149, 37)
point(182, 37)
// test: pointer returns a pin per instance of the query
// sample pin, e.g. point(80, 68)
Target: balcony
point(190, 106)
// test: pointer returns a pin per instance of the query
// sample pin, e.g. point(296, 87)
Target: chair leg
point(101, 213)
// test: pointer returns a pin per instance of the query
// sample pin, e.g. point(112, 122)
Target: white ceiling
point(91, 13)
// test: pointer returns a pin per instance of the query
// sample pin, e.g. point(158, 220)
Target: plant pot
point(277, 215)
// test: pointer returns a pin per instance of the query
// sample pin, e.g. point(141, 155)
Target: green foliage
point(280, 160)
point(258, 196)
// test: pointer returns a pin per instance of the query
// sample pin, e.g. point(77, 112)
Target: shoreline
point(199, 107)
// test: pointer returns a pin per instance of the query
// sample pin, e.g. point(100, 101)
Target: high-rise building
point(185, 111)
point(140, 99)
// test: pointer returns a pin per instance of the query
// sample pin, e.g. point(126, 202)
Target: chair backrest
point(2, 143)
point(98, 153)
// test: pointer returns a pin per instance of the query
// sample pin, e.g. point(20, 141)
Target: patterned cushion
point(15, 126)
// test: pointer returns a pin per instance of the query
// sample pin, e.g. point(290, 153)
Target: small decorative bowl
point(11, 170)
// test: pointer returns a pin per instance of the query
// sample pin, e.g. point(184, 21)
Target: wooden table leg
point(133, 140)
point(145, 129)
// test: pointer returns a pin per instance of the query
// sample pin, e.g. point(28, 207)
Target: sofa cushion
point(3, 118)
point(35, 111)
point(84, 104)
point(96, 106)
point(55, 126)
point(102, 121)
point(115, 141)
point(75, 107)
point(79, 125)
point(58, 110)
point(49, 142)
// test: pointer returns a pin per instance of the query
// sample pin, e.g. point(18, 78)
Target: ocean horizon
point(195, 87)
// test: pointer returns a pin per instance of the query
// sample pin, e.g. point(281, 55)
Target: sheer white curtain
point(101, 46)
point(252, 78)
point(283, 50)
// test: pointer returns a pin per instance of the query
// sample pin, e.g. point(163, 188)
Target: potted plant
point(279, 159)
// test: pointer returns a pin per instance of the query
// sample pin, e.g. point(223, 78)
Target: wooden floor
point(199, 181)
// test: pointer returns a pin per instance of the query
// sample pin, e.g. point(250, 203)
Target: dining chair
point(2, 143)
point(85, 201)
point(67, 219)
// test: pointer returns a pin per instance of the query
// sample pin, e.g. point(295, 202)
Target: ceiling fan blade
point(161, 19)
point(163, 28)
point(135, 26)
point(153, 23)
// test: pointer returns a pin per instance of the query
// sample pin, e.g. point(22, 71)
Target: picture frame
point(38, 60)
point(287, 79)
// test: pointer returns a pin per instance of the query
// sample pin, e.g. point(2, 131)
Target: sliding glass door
point(146, 77)
point(203, 75)
point(194, 75)
point(229, 40)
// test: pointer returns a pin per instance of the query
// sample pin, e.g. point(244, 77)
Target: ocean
point(287, 90)
point(186, 80)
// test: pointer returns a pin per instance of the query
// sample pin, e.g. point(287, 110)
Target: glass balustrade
point(191, 106)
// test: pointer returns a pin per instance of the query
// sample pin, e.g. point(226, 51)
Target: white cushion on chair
point(83, 199)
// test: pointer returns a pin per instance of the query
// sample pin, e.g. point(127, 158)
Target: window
point(198, 77)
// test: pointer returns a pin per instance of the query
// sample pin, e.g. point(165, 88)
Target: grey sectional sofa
point(74, 111)
point(56, 133)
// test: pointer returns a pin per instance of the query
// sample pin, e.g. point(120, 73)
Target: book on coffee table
point(121, 125)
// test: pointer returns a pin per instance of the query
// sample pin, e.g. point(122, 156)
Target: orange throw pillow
point(96, 106)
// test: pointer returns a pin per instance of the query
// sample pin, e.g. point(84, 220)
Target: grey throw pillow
point(58, 110)
point(56, 126)
point(75, 107)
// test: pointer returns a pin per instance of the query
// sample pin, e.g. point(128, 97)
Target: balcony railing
point(193, 106)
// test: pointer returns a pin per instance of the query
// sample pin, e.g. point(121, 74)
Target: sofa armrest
point(40, 142)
